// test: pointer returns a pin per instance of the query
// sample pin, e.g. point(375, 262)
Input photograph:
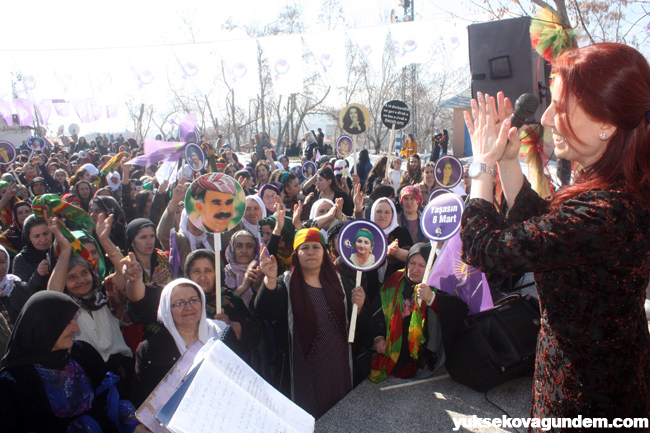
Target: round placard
point(215, 203)
point(308, 169)
point(194, 156)
point(448, 171)
point(354, 119)
point(395, 113)
point(362, 245)
point(344, 146)
point(36, 143)
point(73, 129)
point(7, 152)
point(441, 218)
point(436, 192)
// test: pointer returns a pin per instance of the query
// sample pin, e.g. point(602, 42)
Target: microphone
point(525, 107)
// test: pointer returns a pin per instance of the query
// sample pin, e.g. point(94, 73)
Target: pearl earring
point(603, 136)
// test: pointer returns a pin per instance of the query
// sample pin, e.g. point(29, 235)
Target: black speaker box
point(496, 345)
point(502, 58)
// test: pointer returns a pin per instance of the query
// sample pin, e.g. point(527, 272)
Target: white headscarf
point(194, 240)
point(114, 185)
point(393, 225)
point(249, 226)
point(91, 169)
point(314, 211)
point(7, 283)
point(207, 328)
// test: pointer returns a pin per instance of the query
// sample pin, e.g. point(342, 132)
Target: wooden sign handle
point(355, 312)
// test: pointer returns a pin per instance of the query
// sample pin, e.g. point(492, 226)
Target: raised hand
point(268, 265)
point(103, 227)
point(178, 193)
point(53, 225)
point(131, 268)
point(358, 198)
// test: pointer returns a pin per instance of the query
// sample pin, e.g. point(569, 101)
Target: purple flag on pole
point(44, 109)
point(158, 150)
point(174, 255)
point(187, 128)
point(459, 279)
point(97, 110)
point(62, 108)
point(317, 155)
point(111, 111)
point(24, 109)
point(84, 110)
point(5, 112)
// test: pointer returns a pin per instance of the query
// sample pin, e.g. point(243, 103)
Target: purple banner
point(24, 109)
point(44, 110)
point(456, 278)
point(158, 150)
point(5, 112)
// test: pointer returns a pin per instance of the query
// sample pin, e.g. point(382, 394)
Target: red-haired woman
point(589, 245)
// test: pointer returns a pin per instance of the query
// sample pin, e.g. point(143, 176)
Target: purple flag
point(111, 111)
point(84, 110)
point(97, 110)
point(24, 109)
point(317, 155)
point(62, 108)
point(158, 150)
point(453, 276)
point(187, 128)
point(174, 255)
point(5, 112)
point(44, 109)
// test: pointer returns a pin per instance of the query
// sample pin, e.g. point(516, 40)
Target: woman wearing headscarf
point(84, 191)
point(181, 311)
point(313, 305)
point(267, 193)
point(242, 275)
point(31, 263)
point(399, 241)
point(254, 213)
point(12, 238)
point(413, 173)
point(400, 326)
point(37, 187)
point(411, 199)
point(50, 383)
point(77, 278)
point(140, 239)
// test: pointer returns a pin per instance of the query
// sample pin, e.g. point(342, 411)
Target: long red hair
point(611, 83)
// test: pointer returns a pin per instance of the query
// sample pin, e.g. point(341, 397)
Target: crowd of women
point(105, 282)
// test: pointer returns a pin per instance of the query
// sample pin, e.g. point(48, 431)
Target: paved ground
point(427, 407)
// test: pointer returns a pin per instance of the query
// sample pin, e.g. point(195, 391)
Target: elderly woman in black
point(48, 383)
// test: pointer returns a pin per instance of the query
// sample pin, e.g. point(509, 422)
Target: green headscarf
point(83, 237)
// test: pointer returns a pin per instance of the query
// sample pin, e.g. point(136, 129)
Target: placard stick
point(217, 269)
point(355, 311)
point(354, 150)
point(390, 151)
point(427, 271)
point(416, 382)
point(11, 167)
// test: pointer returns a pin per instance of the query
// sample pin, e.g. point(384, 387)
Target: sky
point(73, 25)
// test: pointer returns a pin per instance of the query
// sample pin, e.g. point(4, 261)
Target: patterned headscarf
point(411, 190)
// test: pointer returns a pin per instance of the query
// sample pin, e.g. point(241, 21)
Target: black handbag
point(496, 345)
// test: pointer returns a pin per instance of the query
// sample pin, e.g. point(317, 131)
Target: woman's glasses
point(182, 304)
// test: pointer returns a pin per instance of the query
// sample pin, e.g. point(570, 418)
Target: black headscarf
point(110, 206)
point(39, 325)
point(29, 251)
point(33, 182)
point(423, 249)
point(132, 231)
